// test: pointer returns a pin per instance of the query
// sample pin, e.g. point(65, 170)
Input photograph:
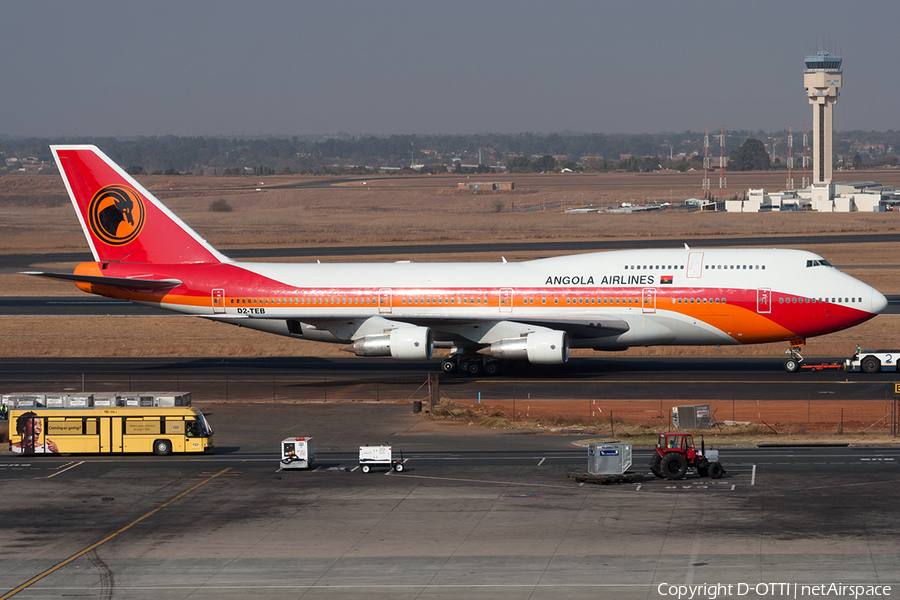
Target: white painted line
point(732, 487)
point(695, 552)
point(354, 468)
point(638, 488)
point(542, 461)
point(81, 462)
point(753, 476)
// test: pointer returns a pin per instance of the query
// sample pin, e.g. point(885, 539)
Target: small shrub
point(220, 205)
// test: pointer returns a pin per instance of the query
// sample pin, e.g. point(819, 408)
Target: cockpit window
point(821, 262)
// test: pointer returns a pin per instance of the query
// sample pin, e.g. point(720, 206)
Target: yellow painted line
point(37, 578)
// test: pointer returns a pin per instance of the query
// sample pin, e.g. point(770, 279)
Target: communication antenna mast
point(723, 185)
point(705, 191)
point(805, 183)
point(790, 160)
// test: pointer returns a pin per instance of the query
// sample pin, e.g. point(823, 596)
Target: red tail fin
point(122, 221)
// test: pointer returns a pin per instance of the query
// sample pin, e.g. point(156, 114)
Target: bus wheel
point(162, 447)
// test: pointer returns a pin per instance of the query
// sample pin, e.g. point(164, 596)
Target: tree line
point(438, 153)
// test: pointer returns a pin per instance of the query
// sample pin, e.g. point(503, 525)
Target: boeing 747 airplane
point(484, 313)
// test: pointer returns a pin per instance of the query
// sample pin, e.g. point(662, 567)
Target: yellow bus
point(115, 430)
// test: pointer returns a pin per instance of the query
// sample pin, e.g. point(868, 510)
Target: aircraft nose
point(879, 302)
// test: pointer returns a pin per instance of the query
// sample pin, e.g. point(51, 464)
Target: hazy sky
point(222, 67)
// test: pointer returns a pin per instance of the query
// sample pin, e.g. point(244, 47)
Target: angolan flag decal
point(665, 279)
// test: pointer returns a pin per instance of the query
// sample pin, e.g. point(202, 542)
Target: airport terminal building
point(860, 196)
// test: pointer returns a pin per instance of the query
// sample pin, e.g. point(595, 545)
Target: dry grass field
point(36, 217)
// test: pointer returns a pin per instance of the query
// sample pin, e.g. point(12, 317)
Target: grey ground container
point(691, 417)
point(613, 458)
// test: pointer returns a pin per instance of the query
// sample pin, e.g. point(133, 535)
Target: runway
point(302, 379)
point(473, 515)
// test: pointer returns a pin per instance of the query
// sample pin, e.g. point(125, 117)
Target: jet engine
point(540, 347)
point(405, 343)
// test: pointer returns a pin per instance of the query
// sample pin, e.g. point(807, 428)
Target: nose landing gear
point(792, 364)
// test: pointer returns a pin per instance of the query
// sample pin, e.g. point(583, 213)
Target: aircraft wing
point(117, 282)
point(590, 327)
point(447, 327)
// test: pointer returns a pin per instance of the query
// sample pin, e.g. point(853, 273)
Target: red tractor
point(675, 454)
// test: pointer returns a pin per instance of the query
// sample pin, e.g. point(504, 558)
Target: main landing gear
point(471, 364)
point(792, 364)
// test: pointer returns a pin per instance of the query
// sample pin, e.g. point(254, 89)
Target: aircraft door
point(384, 300)
point(649, 301)
point(218, 301)
point(506, 300)
point(695, 265)
point(763, 301)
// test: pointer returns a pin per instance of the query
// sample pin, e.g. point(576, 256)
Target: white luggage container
point(379, 456)
point(297, 453)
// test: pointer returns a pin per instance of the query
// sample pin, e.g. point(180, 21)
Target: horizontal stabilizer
point(119, 282)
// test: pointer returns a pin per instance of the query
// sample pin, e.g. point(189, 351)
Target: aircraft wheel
point(792, 365)
point(449, 366)
point(491, 368)
point(474, 368)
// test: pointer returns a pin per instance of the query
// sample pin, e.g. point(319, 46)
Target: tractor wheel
point(654, 465)
point(716, 471)
point(870, 364)
point(673, 465)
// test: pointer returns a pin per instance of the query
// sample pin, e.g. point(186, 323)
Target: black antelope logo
point(116, 214)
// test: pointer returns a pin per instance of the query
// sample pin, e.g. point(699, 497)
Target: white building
point(862, 196)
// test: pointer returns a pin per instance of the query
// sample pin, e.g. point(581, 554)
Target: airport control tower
point(822, 79)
